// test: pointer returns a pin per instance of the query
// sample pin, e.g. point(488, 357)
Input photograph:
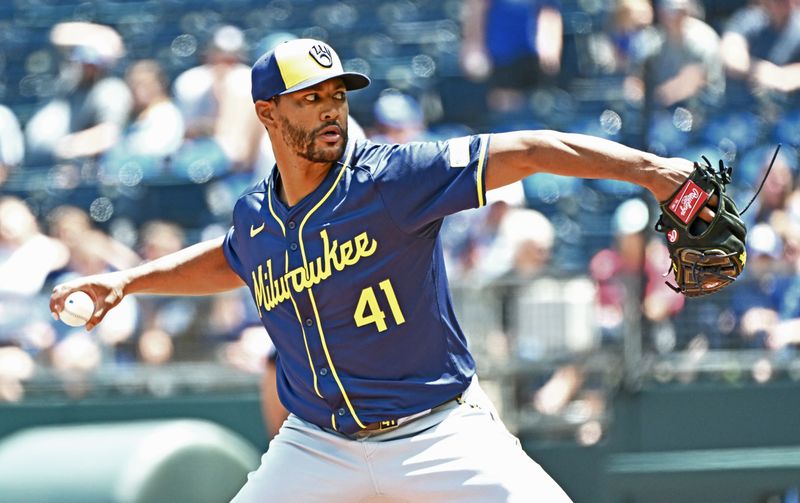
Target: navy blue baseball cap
point(298, 64)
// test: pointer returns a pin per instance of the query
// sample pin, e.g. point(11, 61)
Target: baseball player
point(339, 247)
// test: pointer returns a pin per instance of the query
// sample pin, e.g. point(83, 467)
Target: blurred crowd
point(125, 160)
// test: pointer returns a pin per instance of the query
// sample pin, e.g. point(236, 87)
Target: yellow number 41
point(369, 311)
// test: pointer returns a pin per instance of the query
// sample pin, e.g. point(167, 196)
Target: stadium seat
point(742, 128)
point(787, 129)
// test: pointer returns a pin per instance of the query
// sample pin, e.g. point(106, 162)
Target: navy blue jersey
point(350, 282)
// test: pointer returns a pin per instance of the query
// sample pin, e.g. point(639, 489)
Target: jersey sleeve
point(230, 250)
point(421, 183)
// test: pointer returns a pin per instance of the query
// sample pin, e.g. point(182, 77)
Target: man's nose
point(330, 113)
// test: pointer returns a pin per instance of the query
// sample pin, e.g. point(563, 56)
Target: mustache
point(328, 124)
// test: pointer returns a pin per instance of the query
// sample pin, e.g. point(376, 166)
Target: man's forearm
point(688, 82)
point(513, 156)
point(89, 142)
point(197, 270)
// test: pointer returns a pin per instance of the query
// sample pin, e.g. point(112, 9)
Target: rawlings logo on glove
point(688, 202)
point(706, 256)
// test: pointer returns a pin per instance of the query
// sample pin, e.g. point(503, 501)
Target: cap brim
point(352, 81)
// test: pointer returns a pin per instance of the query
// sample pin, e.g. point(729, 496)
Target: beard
point(304, 142)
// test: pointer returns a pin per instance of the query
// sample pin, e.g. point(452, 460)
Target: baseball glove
point(706, 256)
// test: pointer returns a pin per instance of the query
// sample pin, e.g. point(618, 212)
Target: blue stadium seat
point(787, 129)
point(663, 137)
point(742, 128)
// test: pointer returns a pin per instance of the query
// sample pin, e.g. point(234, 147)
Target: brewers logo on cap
point(298, 64)
point(322, 53)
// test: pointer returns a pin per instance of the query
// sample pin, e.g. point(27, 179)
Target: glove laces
point(763, 180)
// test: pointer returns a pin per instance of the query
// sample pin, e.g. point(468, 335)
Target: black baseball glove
point(706, 256)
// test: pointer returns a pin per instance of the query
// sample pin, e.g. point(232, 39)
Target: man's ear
point(265, 111)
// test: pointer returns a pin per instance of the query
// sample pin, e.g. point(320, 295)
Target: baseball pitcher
point(339, 247)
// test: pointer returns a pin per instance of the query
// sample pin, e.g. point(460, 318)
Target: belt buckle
point(387, 424)
point(379, 426)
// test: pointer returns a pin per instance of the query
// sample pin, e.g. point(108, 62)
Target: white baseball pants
point(461, 453)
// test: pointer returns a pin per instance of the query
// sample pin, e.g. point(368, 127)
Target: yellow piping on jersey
point(319, 203)
point(269, 202)
point(481, 158)
point(296, 310)
point(330, 362)
point(311, 294)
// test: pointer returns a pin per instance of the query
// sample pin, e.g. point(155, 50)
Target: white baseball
point(78, 308)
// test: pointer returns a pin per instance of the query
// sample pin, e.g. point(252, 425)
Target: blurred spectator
point(685, 68)
point(475, 247)
point(622, 48)
point(217, 108)
point(398, 119)
point(162, 318)
point(757, 298)
point(515, 44)
point(634, 266)
point(761, 52)
point(183, 328)
point(632, 32)
point(505, 248)
point(91, 107)
point(12, 144)
point(156, 127)
point(529, 237)
point(27, 256)
point(778, 185)
point(72, 226)
point(16, 366)
point(787, 223)
point(785, 334)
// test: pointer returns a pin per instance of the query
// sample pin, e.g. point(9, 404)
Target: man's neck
point(300, 179)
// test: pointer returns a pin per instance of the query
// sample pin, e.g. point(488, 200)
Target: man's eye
point(339, 96)
point(310, 97)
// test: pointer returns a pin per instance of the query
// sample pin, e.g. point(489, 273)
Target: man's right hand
point(200, 269)
point(106, 290)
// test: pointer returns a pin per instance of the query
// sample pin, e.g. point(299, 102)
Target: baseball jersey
point(350, 282)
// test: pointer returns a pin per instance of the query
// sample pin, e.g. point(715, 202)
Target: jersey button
point(292, 225)
point(309, 322)
point(323, 371)
point(293, 246)
point(340, 412)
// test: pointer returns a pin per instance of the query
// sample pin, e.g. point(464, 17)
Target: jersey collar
point(312, 198)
